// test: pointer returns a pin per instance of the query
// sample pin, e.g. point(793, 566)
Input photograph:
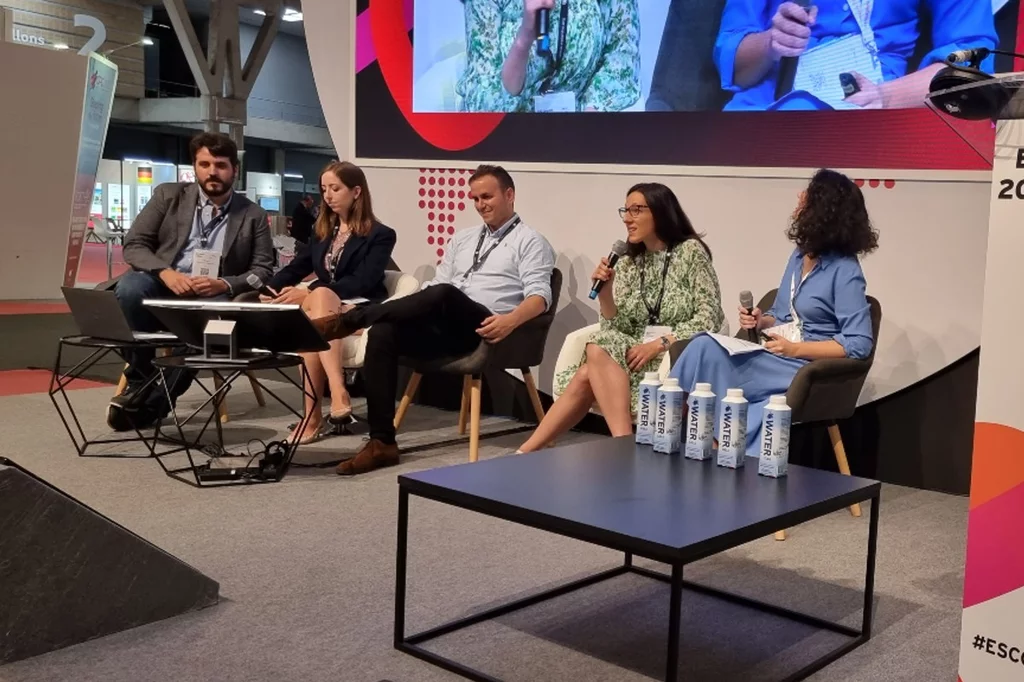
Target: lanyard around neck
point(207, 226)
point(478, 260)
point(654, 313)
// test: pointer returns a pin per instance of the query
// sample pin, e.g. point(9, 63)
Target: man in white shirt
point(492, 280)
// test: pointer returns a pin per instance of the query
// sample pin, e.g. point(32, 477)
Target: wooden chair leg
point(780, 535)
point(844, 465)
point(410, 391)
point(464, 407)
point(222, 403)
point(531, 388)
point(257, 391)
point(122, 383)
point(474, 418)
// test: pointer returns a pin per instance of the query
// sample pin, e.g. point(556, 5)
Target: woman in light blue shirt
point(756, 34)
point(821, 310)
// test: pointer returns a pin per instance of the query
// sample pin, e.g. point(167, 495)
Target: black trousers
point(435, 322)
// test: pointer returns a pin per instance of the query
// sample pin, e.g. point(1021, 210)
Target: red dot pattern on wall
point(444, 189)
point(875, 184)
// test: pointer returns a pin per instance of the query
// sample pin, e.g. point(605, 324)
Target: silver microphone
point(747, 301)
point(257, 284)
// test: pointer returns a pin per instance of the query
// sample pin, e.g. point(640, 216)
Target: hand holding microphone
point(789, 35)
point(605, 270)
point(536, 24)
point(750, 317)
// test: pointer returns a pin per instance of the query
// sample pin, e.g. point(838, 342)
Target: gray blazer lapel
point(186, 216)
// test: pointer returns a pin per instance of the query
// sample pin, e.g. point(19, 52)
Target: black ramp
point(69, 574)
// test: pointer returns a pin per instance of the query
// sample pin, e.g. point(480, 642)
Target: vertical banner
point(992, 639)
point(100, 82)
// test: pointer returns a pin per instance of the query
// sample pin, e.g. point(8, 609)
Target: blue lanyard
point(206, 230)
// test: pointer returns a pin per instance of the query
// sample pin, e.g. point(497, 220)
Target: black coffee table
point(623, 496)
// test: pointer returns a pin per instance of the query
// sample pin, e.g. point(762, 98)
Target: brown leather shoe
point(334, 326)
point(374, 455)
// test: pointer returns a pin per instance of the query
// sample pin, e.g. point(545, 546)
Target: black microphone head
point(254, 281)
point(747, 300)
point(619, 248)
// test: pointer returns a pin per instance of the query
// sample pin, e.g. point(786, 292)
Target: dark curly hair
point(832, 218)
point(671, 223)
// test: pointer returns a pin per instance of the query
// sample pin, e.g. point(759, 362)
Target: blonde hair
point(360, 216)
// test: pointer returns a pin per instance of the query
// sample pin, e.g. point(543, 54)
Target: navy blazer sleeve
point(368, 271)
point(296, 271)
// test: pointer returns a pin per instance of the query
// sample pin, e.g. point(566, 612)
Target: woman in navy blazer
point(348, 251)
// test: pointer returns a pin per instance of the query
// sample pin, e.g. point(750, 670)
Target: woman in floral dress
point(664, 289)
point(599, 68)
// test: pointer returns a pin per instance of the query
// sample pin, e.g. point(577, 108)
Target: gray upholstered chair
point(522, 349)
point(823, 391)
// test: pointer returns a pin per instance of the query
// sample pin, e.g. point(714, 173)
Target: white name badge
point(652, 332)
point(819, 68)
point(555, 102)
point(205, 263)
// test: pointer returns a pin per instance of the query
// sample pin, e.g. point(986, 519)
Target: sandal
point(341, 418)
point(307, 439)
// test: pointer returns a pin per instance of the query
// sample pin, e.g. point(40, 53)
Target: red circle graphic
point(451, 132)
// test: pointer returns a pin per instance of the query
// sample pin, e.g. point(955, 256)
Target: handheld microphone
point(973, 55)
point(618, 250)
point(747, 301)
point(256, 283)
point(787, 66)
point(543, 31)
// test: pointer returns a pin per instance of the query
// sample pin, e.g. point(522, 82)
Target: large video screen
point(717, 82)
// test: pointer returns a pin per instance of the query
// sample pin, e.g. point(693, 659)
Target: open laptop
point(98, 314)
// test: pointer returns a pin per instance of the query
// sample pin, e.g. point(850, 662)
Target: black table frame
point(631, 547)
point(232, 370)
point(60, 379)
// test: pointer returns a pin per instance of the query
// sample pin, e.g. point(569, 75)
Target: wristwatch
point(664, 342)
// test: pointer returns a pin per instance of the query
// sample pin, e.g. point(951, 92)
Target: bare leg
point(311, 406)
point(322, 302)
point(565, 413)
point(610, 385)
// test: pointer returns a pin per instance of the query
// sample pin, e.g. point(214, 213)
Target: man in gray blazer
point(198, 239)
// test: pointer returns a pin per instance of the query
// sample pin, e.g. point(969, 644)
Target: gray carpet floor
point(306, 569)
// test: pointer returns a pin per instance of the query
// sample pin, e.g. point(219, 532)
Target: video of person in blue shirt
point(682, 55)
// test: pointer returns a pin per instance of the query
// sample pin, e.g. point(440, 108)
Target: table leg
point(869, 576)
point(674, 617)
point(628, 560)
point(400, 566)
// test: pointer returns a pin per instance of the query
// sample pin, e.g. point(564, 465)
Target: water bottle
point(700, 423)
point(646, 408)
point(774, 452)
point(668, 423)
point(732, 430)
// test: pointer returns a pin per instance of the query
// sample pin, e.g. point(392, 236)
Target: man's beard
point(222, 188)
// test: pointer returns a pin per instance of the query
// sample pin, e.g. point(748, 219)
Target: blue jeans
point(132, 289)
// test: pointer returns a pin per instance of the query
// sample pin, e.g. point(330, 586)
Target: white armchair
point(575, 345)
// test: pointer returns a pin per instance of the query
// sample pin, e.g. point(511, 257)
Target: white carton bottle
point(668, 424)
point(646, 408)
point(700, 423)
point(775, 424)
point(732, 430)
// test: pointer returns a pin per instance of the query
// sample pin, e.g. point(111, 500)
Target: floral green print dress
point(601, 63)
point(692, 304)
